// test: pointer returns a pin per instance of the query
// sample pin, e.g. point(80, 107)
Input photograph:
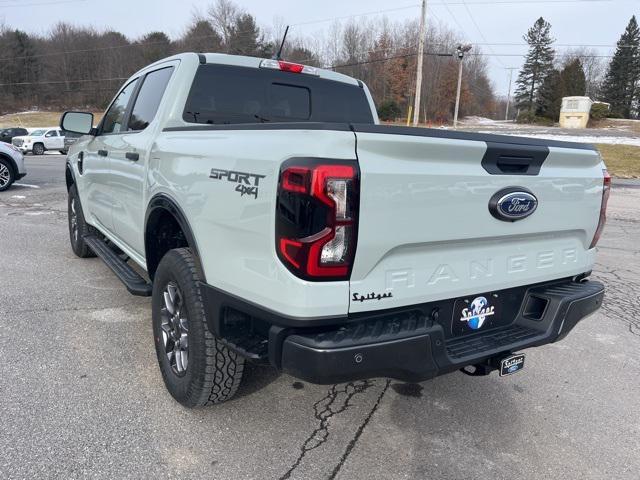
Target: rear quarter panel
point(235, 232)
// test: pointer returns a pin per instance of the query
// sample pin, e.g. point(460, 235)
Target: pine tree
point(550, 96)
point(568, 82)
point(245, 38)
point(574, 81)
point(538, 63)
point(621, 84)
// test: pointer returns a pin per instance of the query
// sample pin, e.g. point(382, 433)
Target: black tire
point(7, 175)
point(37, 149)
point(213, 372)
point(74, 209)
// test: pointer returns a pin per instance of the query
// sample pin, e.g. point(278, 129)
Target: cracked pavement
point(82, 397)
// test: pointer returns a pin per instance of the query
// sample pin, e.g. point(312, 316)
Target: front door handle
point(103, 153)
point(133, 156)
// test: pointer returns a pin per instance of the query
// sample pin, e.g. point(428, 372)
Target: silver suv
point(11, 165)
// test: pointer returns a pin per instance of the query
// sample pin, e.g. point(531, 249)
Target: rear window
point(223, 94)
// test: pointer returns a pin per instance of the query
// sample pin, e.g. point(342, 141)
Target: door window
point(51, 133)
point(148, 100)
point(114, 118)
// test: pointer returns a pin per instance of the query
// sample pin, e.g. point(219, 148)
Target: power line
point(60, 82)
point(473, 20)
point(365, 14)
point(55, 2)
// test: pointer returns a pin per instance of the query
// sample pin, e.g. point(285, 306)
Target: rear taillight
point(606, 189)
point(316, 218)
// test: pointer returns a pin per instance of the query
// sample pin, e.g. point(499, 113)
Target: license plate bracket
point(477, 313)
point(511, 364)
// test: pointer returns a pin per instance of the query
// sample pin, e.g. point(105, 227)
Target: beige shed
point(574, 112)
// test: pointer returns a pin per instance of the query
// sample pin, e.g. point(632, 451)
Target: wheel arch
point(160, 209)
point(69, 176)
point(12, 163)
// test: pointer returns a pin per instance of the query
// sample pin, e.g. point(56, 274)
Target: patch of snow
point(579, 139)
point(475, 120)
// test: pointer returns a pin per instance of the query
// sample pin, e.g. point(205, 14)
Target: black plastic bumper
point(410, 344)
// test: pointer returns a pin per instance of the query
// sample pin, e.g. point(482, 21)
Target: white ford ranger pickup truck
point(272, 219)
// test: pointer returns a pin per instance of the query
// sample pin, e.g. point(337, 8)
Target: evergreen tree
point(201, 37)
point(621, 84)
point(550, 95)
point(245, 38)
point(568, 82)
point(154, 46)
point(574, 81)
point(538, 63)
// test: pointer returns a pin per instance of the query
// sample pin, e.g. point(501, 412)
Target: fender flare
point(70, 176)
point(162, 201)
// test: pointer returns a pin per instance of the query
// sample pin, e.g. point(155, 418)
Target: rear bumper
point(407, 344)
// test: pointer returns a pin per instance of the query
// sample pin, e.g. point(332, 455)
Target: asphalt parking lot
point(82, 397)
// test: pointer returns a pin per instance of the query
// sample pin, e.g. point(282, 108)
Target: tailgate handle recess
point(513, 165)
point(514, 159)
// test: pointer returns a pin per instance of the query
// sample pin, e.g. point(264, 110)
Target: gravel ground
point(82, 396)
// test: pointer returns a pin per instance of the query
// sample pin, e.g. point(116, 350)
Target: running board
point(136, 285)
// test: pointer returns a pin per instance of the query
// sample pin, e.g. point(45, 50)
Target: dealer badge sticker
point(477, 312)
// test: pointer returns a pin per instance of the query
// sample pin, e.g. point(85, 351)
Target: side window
point(148, 100)
point(51, 133)
point(114, 117)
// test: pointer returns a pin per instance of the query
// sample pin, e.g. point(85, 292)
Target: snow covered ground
point(618, 135)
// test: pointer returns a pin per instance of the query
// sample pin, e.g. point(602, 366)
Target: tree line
point(546, 78)
point(80, 67)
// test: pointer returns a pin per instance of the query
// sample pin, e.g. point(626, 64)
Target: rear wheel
point(7, 177)
point(78, 228)
point(196, 368)
point(38, 149)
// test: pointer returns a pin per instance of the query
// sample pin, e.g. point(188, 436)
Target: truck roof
point(251, 62)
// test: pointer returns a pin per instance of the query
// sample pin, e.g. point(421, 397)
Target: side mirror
point(77, 122)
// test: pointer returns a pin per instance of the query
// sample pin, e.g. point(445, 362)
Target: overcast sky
point(575, 22)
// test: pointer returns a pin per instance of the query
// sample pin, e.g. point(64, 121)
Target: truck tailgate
point(425, 227)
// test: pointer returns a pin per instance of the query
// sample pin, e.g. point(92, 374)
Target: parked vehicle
point(69, 139)
point(7, 134)
point(41, 140)
point(12, 166)
point(278, 222)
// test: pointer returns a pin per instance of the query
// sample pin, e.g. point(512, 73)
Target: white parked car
point(41, 140)
point(11, 165)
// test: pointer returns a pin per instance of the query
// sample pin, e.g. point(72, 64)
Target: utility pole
point(506, 113)
point(460, 51)
point(423, 29)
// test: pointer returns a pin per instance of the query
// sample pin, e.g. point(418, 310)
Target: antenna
point(278, 55)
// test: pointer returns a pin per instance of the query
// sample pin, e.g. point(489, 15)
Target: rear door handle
point(133, 156)
point(103, 153)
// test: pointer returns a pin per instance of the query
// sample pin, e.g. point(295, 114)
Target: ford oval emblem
point(512, 204)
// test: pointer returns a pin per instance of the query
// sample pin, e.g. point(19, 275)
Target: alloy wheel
point(175, 329)
point(73, 218)
point(5, 175)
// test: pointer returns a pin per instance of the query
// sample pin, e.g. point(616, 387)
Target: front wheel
point(38, 149)
point(7, 176)
point(196, 368)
